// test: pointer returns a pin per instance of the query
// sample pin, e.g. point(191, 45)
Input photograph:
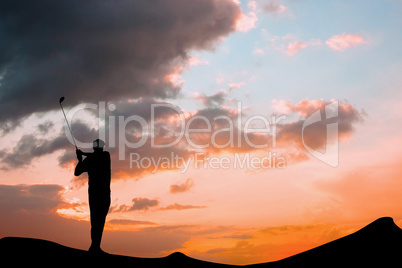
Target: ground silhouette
point(377, 244)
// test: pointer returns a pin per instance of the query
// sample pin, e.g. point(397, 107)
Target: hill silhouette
point(379, 243)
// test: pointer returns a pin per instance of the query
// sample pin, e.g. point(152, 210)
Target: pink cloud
point(246, 22)
point(252, 5)
point(274, 6)
point(175, 78)
point(219, 80)
point(259, 51)
point(290, 45)
point(294, 47)
point(344, 41)
point(194, 61)
point(281, 106)
point(236, 85)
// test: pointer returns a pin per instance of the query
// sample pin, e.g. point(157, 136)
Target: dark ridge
point(384, 224)
point(31, 251)
point(377, 244)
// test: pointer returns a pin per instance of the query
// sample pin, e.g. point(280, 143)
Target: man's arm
point(81, 166)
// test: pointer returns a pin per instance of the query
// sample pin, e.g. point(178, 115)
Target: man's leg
point(94, 229)
point(97, 231)
point(102, 216)
point(98, 217)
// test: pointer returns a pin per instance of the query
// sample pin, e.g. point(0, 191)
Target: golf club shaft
point(65, 117)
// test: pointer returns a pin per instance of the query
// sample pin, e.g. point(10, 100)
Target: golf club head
point(61, 100)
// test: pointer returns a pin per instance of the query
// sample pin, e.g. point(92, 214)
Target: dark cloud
point(315, 135)
point(165, 121)
point(39, 198)
point(239, 236)
point(30, 211)
point(215, 100)
point(32, 146)
point(182, 187)
point(45, 127)
point(98, 50)
point(139, 203)
point(223, 136)
point(147, 108)
point(146, 242)
point(144, 204)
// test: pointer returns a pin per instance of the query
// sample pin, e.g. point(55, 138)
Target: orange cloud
point(270, 243)
point(131, 222)
point(177, 206)
point(344, 41)
point(370, 190)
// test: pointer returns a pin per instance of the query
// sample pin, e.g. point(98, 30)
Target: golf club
point(60, 101)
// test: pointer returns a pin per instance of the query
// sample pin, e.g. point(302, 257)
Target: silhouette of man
point(97, 164)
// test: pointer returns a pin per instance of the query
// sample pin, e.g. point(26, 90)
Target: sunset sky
point(233, 65)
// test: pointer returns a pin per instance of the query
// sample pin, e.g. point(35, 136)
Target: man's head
point(98, 145)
